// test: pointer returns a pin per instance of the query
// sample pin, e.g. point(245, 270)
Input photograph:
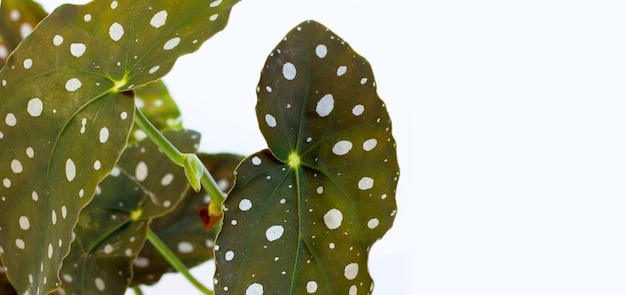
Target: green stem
point(207, 180)
point(175, 262)
point(155, 135)
point(137, 290)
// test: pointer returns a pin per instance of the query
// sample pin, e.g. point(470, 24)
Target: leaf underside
point(182, 230)
point(65, 115)
point(303, 214)
point(112, 228)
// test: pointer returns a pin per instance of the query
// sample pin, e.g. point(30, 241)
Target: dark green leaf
point(302, 218)
point(182, 230)
point(17, 20)
point(65, 118)
point(112, 229)
point(155, 102)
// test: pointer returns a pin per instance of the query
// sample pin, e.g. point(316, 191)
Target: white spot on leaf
point(245, 205)
point(100, 284)
point(141, 171)
point(311, 287)
point(116, 31)
point(172, 43)
point(57, 40)
point(78, 49)
point(158, 20)
point(351, 271)
point(254, 289)
point(289, 71)
point(104, 134)
point(270, 120)
point(28, 63)
point(333, 218)
point(70, 170)
point(366, 183)
point(73, 84)
point(342, 70)
point(358, 109)
point(35, 107)
point(274, 232)
point(24, 223)
point(321, 50)
point(16, 166)
point(373, 223)
point(229, 255)
point(369, 144)
point(342, 147)
point(325, 105)
point(185, 247)
point(10, 119)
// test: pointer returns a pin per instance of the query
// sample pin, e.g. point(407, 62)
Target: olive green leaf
point(65, 115)
point(154, 101)
point(112, 228)
point(303, 214)
point(182, 230)
point(17, 20)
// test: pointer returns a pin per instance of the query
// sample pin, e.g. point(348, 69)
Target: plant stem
point(175, 262)
point(137, 290)
point(207, 180)
point(155, 135)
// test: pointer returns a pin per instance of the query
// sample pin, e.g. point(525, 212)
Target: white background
point(510, 120)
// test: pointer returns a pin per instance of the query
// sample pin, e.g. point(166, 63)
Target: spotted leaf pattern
point(155, 101)
point(112, 228)
point(303, 214)
point(66, 111)
point(17, 20)
point(182, 230)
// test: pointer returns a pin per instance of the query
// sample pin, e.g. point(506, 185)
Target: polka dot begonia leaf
point(112, 229)
point(17, 20)
point(66, 113)
point(303, 214)
point(182, 230)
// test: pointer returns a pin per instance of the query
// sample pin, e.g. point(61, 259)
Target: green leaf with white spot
point(112, 228)
point(65, 115)
point(17, 20)
point(303, 214)
point(182, 230)
point(155, 101)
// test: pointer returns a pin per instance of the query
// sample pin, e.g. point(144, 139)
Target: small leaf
point(66, 112)
point(304, 214)
point(194, 171)
point(154, 101)
point(181, 230)
point(112, 229)
point(17, 20)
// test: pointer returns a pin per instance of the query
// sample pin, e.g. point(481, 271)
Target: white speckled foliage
point(66, 111)
point(303, 214)
point(144, 185)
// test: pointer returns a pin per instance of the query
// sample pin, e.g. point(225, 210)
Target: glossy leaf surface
point(303, 214)
point(65, 118)
point(182, 230)
point(17, 20)
point(112, 228)
point(155, 102)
